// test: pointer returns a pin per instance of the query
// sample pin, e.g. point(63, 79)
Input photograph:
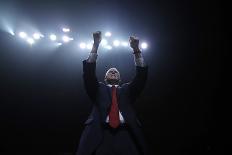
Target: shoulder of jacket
point(102, 84)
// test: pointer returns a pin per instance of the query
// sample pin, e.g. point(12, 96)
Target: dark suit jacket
point(100, 95)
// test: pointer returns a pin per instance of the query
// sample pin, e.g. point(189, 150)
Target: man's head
point(112, 76)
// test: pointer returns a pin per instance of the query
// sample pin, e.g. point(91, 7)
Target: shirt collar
point(109, 85)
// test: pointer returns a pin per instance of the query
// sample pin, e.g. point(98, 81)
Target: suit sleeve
point(90, 80)
point(137, 84)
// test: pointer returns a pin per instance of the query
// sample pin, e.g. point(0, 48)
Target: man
point(112, 127)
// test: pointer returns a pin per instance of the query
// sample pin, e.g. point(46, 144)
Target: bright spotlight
point(11, 32)
point(59, 44)
point(116, 43)
point(144, 45)
point(66, 39)
point(108, 34)
point(66, 30)
point(82, 45)
point(30, 41)
point(53, 37)
point(124, 43)
point(104, 42)
point(7, 27)
point(89, 46)
point(22, 34)
point(37, 36)
point(108, 47)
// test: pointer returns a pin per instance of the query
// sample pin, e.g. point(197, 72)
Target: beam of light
point(5, 24)
point(59, 44)
point(22, 34)
point(144, 45)
point(53, 37)
point(11, 32)
point(37, 36)
point(89, 46)
point(108, 34)
point(108, 47)
point(104, 42)
point(66, 30)
point(66, 39)
point(30, 41)
point(82, 45)
point(116, 43)
point(125, 44)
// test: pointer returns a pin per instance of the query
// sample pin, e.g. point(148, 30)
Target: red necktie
point(114, 111)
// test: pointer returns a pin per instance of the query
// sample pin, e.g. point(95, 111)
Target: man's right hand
point(97, 37)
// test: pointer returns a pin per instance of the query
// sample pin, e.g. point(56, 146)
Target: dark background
point(43, 104)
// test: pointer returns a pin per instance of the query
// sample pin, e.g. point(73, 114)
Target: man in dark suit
point(112, 127)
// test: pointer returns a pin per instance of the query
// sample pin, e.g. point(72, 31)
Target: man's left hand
point(134, 42)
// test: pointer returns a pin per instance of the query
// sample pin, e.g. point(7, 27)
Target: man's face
point(112, 76)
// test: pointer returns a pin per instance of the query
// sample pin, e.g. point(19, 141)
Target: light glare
point(37, 36)
point(104, 42)
point(11, 32)
point(144, 45)
point(53, 37)
point(82, 45)
point(89, 46)
point(125, 44)
point(22, 34)
point(108, 47)
point(66, 39)
point(108, 34)
point(30, 41)
point(116, 43)
point(66, 30)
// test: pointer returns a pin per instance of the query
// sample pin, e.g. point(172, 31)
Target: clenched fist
point(97, 37)
point(134, 43)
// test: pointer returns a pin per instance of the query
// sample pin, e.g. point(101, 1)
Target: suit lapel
point(118, 93)
point(108, 91)
point(118, 98)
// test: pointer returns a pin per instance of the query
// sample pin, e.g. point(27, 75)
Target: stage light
point(30, 41)
point(22, 34)
point(89, 46)
point(104, 42)
point(7, 27)
point(116, 43)
point(125, 44)
point(11, 32)
point(66, 30)
point(53, 37)
point(108, 47)
point(66, 39)
point(37, 36)
point(144, 45)
point(108, 34)
point(82, 45)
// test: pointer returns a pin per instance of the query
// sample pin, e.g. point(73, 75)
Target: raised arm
point(137, 84)
point(89, 68)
